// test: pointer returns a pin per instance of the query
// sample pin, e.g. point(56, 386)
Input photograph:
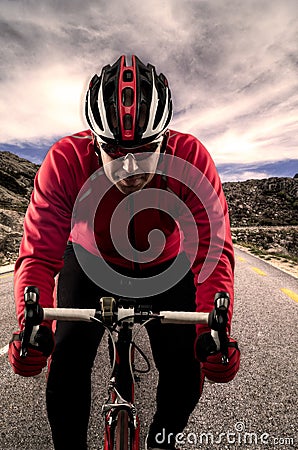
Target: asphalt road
point(258, 410)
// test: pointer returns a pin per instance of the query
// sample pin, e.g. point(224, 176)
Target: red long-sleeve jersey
point(73, 200)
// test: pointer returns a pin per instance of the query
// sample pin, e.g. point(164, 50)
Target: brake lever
point(218, 320)
point(33, 317)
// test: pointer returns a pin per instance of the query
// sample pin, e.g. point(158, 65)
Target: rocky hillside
point(16, 183)
point(267, 202)
point(264, 213)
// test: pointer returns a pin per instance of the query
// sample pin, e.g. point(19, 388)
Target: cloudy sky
point(231, 64)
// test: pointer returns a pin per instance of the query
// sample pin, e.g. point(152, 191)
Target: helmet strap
point(164, 142)
point(97, 150)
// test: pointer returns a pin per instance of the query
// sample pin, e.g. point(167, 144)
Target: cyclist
point(129, 148)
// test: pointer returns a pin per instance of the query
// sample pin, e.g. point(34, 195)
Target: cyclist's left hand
point(212, 367)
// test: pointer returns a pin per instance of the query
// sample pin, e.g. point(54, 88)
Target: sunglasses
point(115, 151)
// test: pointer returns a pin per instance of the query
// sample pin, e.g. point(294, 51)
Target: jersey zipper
point(132, 236)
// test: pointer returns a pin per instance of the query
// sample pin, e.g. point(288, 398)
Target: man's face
point(131, 172)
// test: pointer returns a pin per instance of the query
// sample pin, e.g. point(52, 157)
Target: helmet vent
point(127, 96)
point(143, 115)
point(112, 117)
point(128, 76)
point(127, 122)
point(109, 91)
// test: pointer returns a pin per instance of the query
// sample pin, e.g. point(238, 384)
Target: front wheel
point(122, 432)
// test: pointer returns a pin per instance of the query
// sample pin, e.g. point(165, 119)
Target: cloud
point(232, 67)
point(242, 172)
point(244, 176)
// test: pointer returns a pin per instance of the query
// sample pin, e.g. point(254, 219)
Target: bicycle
point(121, 421)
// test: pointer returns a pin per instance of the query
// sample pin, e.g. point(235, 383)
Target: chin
point(129, 189)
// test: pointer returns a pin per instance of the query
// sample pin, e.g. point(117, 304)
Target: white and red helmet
point(128, 105)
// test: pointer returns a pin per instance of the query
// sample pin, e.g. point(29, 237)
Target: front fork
point(114, 404)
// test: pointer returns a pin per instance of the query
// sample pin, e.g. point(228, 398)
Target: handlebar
point(88, 315)
point(127, 311)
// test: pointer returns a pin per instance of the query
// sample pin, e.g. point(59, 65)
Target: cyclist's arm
point(46, 229)
point(213, 264)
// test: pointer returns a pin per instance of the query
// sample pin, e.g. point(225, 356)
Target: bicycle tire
point(122, 432)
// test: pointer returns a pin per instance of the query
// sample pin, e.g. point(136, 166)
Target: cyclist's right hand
point(38, 352)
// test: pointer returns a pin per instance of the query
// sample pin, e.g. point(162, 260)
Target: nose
point(130, 164)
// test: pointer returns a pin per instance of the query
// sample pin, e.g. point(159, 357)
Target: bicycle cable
point(145, 358)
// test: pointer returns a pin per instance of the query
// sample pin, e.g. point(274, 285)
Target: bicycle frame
point(122, 425)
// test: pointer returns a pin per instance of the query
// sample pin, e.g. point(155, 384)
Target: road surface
point(258, 410)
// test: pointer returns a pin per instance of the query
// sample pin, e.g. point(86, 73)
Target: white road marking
point(4, 350)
